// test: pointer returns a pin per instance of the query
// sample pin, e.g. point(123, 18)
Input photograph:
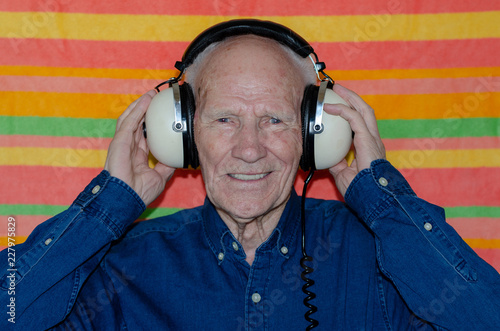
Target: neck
point(251, 233)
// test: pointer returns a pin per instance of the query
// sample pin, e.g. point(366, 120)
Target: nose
point(248, 144)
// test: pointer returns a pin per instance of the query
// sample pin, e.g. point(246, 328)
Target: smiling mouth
point(248, 177)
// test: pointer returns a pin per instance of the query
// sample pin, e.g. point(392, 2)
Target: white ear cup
point(332, 145)
point(164, 143)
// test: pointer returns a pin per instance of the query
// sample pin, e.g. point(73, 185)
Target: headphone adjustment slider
point(178, 124)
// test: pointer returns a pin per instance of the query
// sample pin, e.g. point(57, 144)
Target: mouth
point(247, 177)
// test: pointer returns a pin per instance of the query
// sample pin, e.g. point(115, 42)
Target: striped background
point(430, 69)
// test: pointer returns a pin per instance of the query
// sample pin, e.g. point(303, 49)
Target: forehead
point(250, 67)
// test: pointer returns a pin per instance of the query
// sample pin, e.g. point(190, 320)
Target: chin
point(247, 208)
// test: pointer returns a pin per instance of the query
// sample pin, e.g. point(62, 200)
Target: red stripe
point(25, 224)
point(457, 186)
point(481, 227)
point(338, 56)
point(492, 256)
point(54, 142)
point(252, 8)
point(74, 84)
point(409, 54)
point(390, 144)
point(363, 87)
point(60, 186)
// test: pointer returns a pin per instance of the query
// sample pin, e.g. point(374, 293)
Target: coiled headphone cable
point(305, 258)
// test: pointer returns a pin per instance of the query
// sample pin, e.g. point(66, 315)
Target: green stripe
point(57, 126)
point(474, 211)
point(13, 210)
point(440, 128)
point(50, 210)
point(90, 127)
point(158, 212)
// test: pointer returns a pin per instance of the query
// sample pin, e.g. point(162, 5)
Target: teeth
point(248, 177)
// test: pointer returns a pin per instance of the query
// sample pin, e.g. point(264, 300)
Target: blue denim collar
point(220, 238)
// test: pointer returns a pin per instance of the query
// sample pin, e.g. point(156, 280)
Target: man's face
point(248, 127)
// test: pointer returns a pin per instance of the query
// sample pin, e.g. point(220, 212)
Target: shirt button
point(220, 256)
point(428, 226)
point(256, 297)
point(284, 250)
point(48, 241)
point(235, 246)
point(382, 181)
point(96, 189)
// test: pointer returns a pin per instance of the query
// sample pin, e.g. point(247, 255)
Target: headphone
point(169, 127)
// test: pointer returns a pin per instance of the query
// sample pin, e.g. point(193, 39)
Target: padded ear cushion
point(308, 111)
point(188, 108)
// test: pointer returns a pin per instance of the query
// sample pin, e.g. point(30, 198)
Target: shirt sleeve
point(441, 279)
point(61, 253)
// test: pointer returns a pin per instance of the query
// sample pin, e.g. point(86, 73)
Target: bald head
point(230, 56)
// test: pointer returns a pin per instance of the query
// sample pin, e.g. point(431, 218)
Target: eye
point(223, 120)
point(275, 120)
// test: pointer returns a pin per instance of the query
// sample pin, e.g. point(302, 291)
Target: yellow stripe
point(161, 74)
point(473, 243)
point(76, 105)
point(185, 28)
point(93, 105)
point(86, 158)
point(464, 158)
point(55, 157)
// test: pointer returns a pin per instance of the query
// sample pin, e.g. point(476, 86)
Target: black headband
point(238, 27)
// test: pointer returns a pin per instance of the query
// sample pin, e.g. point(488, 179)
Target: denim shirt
point(384, 260)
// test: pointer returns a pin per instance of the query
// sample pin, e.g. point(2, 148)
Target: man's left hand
point(368, 145)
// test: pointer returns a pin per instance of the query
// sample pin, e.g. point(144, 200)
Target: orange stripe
point(97, 105)
point(480, 227)
point(491, 256)
point(252, 8)
point(434, 106)
point(363, 87)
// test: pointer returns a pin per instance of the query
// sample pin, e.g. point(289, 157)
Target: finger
point(165, 171)
point(132, 107)
point(355, 119)
point(134, 117)
point(360, 105)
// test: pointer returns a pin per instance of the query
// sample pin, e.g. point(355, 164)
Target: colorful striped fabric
point(429, 68)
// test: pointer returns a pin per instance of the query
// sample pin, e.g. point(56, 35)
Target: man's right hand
point(128, 154)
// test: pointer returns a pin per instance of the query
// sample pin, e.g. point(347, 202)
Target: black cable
point(305, 258)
